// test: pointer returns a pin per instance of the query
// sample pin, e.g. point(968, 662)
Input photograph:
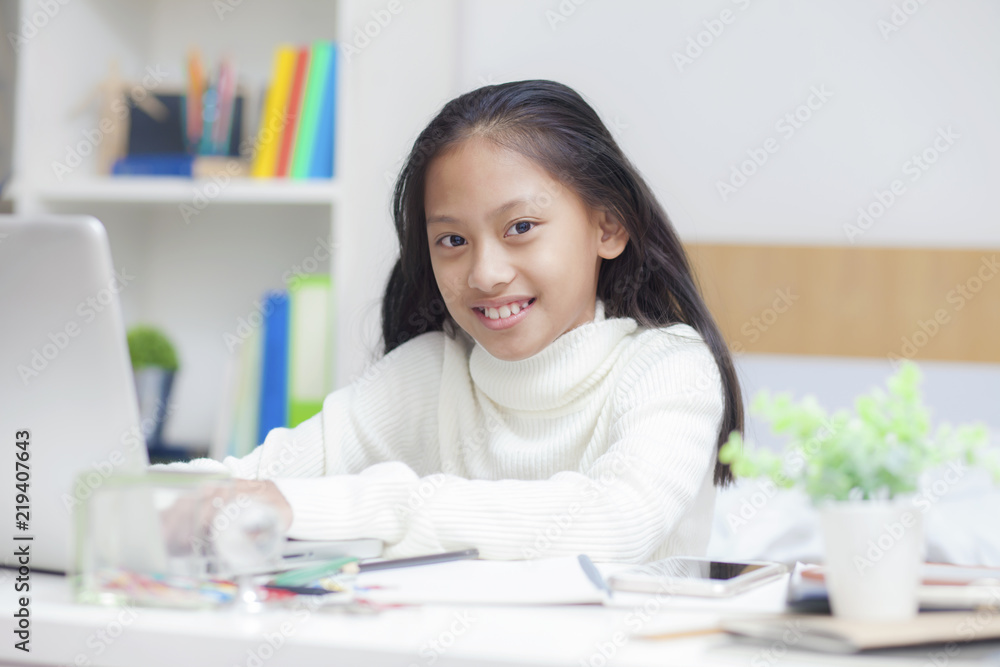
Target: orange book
point(292, 114)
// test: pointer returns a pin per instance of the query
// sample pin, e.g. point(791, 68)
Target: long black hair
point(549, 123)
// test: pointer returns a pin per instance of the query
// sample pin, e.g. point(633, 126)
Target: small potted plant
point(154, 364)
point(862, 470)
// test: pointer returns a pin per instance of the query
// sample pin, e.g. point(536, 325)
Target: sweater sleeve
point(387, 414)
point(661, 445)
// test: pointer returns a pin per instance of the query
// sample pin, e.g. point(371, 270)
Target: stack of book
point(295, 138)
point(280, 371)
point(199, 133)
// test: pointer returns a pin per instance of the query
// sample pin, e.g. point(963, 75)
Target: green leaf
point(150, 347)
point(878, 450)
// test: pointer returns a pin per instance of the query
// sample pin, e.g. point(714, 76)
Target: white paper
point(541, 581)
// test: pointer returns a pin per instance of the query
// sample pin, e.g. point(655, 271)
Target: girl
point(552, 381)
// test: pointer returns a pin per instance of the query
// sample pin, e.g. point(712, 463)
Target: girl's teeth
point(505, 311)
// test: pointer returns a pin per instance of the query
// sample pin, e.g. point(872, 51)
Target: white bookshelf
point(181, 190)
point(197, 278)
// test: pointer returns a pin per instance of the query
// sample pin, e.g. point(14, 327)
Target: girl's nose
point(490, 268)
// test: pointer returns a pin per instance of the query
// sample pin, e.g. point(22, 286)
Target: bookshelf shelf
point(164, 190)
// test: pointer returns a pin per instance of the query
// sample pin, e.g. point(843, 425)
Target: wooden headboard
point(859, 302)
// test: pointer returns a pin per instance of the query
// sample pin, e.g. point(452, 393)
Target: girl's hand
point(199, 517)
point(265, 491)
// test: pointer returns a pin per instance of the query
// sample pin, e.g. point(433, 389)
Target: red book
point(292, 114)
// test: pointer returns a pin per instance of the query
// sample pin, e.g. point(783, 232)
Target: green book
point(310, 336)
point(305, 140)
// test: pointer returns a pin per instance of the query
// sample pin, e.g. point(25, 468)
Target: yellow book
point(272, 121)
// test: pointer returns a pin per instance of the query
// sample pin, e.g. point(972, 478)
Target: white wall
point(687, 127)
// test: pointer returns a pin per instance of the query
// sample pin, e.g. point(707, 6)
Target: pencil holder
point(168, 539)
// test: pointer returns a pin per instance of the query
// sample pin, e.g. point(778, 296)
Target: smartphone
point(681, 575)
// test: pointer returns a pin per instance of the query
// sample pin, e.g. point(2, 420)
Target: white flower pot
point(873, 556)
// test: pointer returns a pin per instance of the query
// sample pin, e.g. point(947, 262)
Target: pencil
point(306, 575)
point(418, 560)
point(685, 634)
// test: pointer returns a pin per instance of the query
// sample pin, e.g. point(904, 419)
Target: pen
point(418, 560)
point(306, 575)
point(298, 590)
point(591, 571)
point(193, 112)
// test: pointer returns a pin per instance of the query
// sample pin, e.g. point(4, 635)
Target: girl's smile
point(507, 315)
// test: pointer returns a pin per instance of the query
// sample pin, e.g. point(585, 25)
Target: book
point(305, 140)
point(207, 166)
point(943, 586)
point(295, 95)
point(153, 165)
point(830, 634)
point(321, 165)
point(193, 166)
point(243, 430)
point(273, 120)
point(310, 338)
point(274, 365)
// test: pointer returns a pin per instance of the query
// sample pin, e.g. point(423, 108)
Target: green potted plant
point(863, 470)
point(154, 365)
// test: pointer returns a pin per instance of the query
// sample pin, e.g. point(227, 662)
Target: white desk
point(64, 633)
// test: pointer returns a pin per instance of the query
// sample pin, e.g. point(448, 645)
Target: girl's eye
point(450, 240)
point(522, 227)
point(518, 229)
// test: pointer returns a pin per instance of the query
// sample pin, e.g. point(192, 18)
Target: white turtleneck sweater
point(603, 443)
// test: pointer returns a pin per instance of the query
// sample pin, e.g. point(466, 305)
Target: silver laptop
point(67, 395)
point(66, 384)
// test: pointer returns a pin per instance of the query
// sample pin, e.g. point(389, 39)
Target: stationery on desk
point(594, 574)
point(456, 578)
point(451, 578)
point(430, 559)
point(313, 579)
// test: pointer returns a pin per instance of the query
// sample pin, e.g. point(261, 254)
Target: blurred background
point(830, 166)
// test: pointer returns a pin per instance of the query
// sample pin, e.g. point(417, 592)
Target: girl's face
point(515, 253)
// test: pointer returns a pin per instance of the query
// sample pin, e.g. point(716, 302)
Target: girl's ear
point(613, 235)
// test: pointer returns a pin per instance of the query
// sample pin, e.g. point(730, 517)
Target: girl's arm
point(662, 440)
point(389, 413)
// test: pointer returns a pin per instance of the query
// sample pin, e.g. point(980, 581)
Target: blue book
point(322, 157)
point(161, 164)
point(274, 368)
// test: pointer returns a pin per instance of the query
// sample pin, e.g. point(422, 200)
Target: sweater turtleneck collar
point(573, 363)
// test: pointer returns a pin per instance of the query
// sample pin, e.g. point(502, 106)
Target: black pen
point(418, 560)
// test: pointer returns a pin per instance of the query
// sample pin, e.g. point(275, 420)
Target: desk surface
point(64, 633)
